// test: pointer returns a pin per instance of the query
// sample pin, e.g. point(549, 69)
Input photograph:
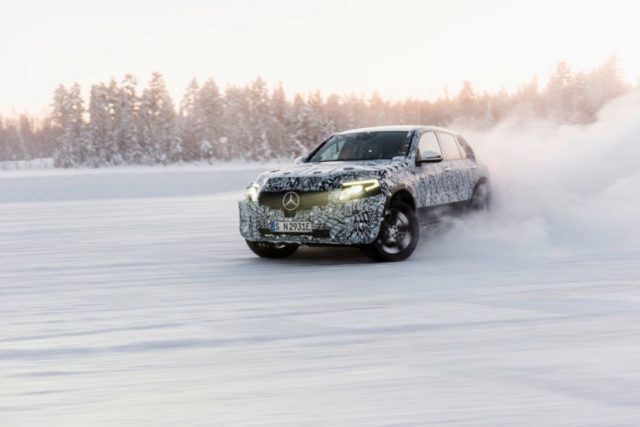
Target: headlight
point(357, 189)
point(252, 192)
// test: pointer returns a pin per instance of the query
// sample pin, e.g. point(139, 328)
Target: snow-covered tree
point(604, 83)
point(558, 92)
point(377, 111)
point(320, 127)
point(249, 122)
point(190, 122)
point(71, 141)
point(309, 123)
point(262, 123)
point(127, 126)
point(467, 102)
point(12, 143)
point(209, 106)
point(114, 155)
point(281, 136)
point(160, 140)
point(101, 143)
point(236, 139)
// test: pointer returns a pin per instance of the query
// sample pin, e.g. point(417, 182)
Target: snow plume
point(558, 189)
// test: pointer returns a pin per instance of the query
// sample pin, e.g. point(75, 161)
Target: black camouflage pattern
point(357, 221)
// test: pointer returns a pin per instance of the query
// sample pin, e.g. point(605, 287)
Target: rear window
point(466, 148)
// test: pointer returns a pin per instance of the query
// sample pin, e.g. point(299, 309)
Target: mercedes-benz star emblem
point(290, 201)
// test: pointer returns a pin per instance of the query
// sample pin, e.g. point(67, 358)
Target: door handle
point(448, 169)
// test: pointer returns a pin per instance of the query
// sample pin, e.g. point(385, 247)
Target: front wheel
point(272, 250)
point(398, 236)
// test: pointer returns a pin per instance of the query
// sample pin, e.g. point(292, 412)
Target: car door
point(456, 173)
point(432, 189)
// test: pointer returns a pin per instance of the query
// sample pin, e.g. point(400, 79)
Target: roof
point(396, 128)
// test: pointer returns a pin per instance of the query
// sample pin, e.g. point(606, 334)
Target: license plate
point(291, 227)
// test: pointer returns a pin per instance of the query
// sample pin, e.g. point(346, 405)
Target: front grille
point(318, 234)
point(300, 183)
point(308, 199)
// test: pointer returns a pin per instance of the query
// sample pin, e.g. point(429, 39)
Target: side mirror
point(299, 160)
point(429, 157)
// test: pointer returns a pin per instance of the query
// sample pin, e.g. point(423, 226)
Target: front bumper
point(355, 222)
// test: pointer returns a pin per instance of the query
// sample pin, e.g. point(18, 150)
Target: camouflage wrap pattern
point(347, 223)
point(356, 221)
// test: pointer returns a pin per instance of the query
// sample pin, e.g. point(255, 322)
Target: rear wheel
point(272, 250)
point(398, 236)
point(481, 198)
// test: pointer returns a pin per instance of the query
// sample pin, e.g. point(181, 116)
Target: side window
point(429, 142)
point(449, 146)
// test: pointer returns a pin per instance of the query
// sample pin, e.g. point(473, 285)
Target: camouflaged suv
point(366, 188)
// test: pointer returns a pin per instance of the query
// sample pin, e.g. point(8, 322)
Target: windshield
point(363, 146)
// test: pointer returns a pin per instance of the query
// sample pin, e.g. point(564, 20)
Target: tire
point(481, 197)
point(272, 250)
point(398, 236)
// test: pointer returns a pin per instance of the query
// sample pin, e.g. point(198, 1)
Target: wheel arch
point(404, 194)
point(481, 180)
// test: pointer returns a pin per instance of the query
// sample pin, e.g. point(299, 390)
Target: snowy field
point(128, 298)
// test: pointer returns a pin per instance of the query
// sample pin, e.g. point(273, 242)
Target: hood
point(323, 176)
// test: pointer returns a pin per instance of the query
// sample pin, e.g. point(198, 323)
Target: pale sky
point(399, 48)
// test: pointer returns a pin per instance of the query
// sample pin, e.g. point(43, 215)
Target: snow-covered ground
point(151, 311)
point(127, 297)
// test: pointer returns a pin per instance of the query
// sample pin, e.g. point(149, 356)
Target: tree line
point(121, 124)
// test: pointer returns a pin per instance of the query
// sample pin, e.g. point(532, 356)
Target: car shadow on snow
point(326, 255)
point(316, 255)
point(344, 255)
